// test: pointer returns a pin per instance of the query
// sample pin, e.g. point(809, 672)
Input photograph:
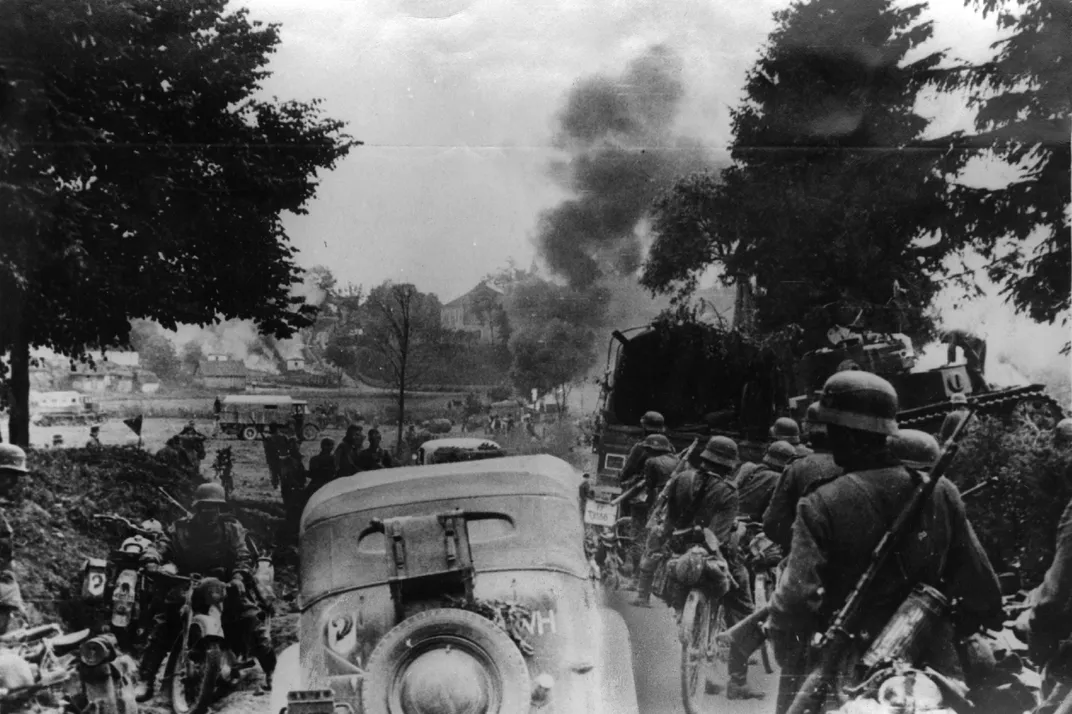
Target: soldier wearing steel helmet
point(651, 423)
point(755, 487)
point(211, 542)
point(954, 418)
point(839, 524)
point(915, 449)
point(800, 477)
point(707, 498)
point(658, 468)
point(787, 429)
point(1062, 434)
point(12, 468)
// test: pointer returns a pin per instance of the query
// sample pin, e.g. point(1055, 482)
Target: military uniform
point(346, 458)
point(717, 510)
point(754, 489)
point(10, 594)
point(838, 526)
point(1050, 620)
point(275, 446)
point(218, 549)
point(657, 471)
point(371, 459)
point(798, 479)
point(321, 471)
point(292, 483)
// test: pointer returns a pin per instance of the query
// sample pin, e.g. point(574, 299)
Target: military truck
point(64, 409)
point(703, 379)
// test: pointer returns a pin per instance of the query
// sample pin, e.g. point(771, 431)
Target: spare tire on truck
point(447, 655)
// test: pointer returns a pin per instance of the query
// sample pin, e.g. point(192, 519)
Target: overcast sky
point(456, 101)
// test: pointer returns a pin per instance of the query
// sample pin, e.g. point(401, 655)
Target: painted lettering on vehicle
point(541, 621)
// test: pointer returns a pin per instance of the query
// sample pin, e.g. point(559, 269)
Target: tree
point(192, 354)
point(403, 327)
point(342, 352)
point(139, 178)
point(823, 205)
point(1024, 101)
point(554, 334)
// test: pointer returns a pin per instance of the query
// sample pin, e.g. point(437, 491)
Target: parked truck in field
point(64, 409)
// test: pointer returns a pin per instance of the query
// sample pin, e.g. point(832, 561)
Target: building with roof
point(216, 373)
point(472, 312)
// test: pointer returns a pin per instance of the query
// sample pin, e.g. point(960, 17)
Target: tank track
point(994, 403)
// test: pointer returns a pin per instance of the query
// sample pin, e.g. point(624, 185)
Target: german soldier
point(799, 478)
point(786, 429)
point(840, 523)
point(915, 449)
point(12, 468)
point(707, 498)
point(756, 486)
point(211, 541)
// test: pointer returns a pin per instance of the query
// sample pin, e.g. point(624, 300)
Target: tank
point(925, 396)
point(704, 380)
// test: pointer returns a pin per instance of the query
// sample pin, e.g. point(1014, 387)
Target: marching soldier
point(94, 438)
point(800, 477)
point(786, 429)
point(756, 486)
point(839, 524)
point(915, 449)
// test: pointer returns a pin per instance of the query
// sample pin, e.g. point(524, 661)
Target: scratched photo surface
point(444, 300)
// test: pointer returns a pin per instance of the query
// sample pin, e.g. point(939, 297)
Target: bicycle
point(764, 565)
point(701, 576)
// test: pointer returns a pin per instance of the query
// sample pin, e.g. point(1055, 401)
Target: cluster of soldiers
point(184, 451)
point(351, 456)
point(826, 504)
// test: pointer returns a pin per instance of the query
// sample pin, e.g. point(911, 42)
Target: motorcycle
point(37, 667)
point(207, 654)
point(120, 580)
point(107, 678)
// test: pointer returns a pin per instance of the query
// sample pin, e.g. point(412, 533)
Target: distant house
point(222, 373)
point(464, 313)
point(295, 364)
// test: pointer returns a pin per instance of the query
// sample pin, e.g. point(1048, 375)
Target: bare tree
point(403, 328)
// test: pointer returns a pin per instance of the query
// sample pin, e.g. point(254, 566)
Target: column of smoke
point(239, 339)
point(618, 134)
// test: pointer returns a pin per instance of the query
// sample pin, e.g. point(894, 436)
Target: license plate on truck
point(600, 514)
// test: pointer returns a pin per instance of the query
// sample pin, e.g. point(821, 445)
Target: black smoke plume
point(619, 135)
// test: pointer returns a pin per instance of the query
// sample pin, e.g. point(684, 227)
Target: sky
point(456, 101)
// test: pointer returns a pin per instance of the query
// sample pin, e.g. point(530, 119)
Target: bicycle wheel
point(761, 598)
point(695, 647)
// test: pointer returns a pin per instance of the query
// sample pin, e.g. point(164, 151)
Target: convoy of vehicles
point(706, 380)
point(464, 582)
point(248, 416)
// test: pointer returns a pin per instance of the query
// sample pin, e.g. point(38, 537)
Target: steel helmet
point(1062, 433)
point(136, 544)
point(959, 398)
point(859, 400)
point(657, 442)
point(653, 421)
point(152, 525)
point(915, 449)
point(209, 493)
point(786, 429)
point(720, 450)
point(848, 366)
point(12, 458)
point(779, 454)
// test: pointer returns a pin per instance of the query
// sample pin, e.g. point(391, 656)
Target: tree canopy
point(824, 203)
point(140, 178)
point(1024, 102)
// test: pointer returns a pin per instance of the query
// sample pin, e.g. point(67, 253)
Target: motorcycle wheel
point(193, 677)
point(695, 636)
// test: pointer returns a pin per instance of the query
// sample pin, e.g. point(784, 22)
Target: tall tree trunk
point(401, 403)
point(18, 428)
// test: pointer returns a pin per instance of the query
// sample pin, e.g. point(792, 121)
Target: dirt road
point(656, 665)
